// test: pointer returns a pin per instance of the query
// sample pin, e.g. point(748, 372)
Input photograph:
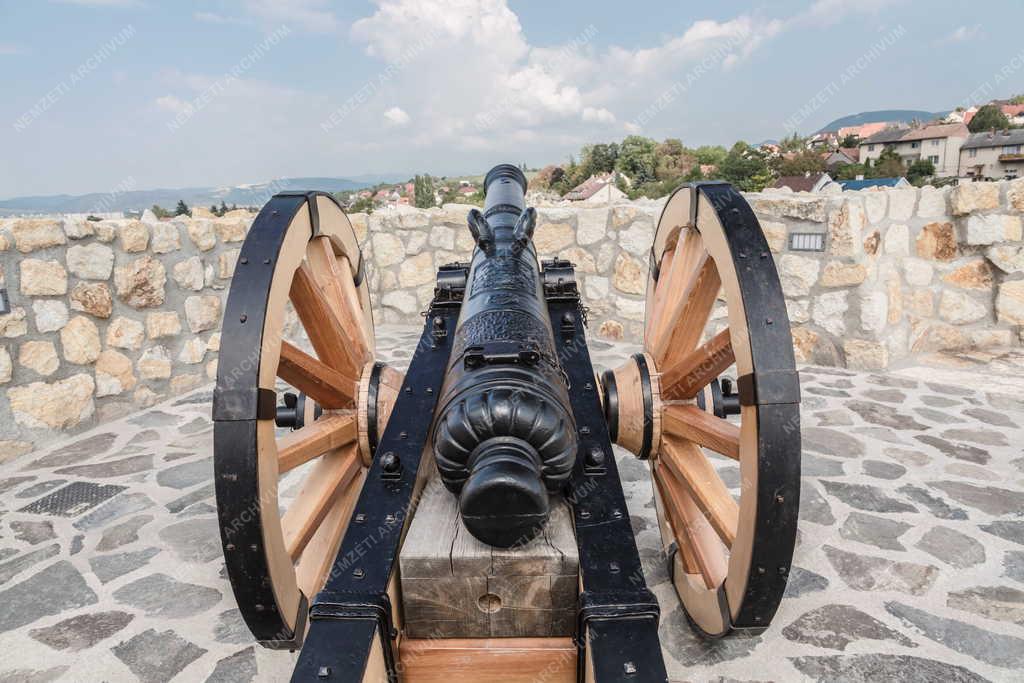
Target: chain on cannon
point(465, 519)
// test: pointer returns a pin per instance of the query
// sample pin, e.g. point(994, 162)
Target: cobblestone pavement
point(910, 560)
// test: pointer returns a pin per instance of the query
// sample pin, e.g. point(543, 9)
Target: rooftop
point(871, 182)
point(998, 139)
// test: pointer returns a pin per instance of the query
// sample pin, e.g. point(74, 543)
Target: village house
point(809, 182)
point(597, 189)
point(843, 156)
point(993, 155)
point(938, 143)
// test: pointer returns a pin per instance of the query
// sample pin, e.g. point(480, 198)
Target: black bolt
point(616, 514)
point(360, 518)
point(595, 458)
point(323, 671)
point(613, 567)
point(629, 668)
point(584, 430)
point(403, 435)
point(390, 462)
point(584, 514)
point(266, 262)
point(438, 322)
point(242, 318)
point(358, 572)
point(243, 260)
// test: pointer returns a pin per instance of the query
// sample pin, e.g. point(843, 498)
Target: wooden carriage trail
point(909, 560)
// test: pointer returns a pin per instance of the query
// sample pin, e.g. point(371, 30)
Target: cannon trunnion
point(498, 439)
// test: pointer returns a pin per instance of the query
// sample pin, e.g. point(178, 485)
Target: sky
point(99, 95)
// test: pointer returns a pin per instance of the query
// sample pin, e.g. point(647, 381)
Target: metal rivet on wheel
point(760, 570)
point(243, 260)
point(629, 668)
point(360, 518)
point(242, 318)
point(613, 567)
point(358, 572)
point(584, 514)
point(323, 672)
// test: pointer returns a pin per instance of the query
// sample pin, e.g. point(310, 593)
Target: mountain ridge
point(901, 115)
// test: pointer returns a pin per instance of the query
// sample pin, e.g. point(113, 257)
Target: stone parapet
point(111, 316)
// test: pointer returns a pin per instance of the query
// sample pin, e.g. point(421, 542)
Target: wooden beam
point(684, 329)
point(326, 333)
point(695, 370)
point(324, 482)
point(497, 660)
point(686, 554)
point(694, 531)
point(330, 388)
point(691, 467)
point(693, 424)
point(329, 432)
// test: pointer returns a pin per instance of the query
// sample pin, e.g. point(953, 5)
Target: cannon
point(395, 526)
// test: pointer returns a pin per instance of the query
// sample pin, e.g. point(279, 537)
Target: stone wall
point(108, 317)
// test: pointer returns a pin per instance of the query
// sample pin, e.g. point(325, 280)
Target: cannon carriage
point(495, 446)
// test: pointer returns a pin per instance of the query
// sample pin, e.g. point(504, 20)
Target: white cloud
point(598, 115)
point(172, 104)
point(397, 117)
point(828, 12)
point(962, 34)
point(314, 16)
point(212, 18)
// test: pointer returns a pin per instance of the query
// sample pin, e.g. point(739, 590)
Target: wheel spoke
point(332, 277)
point(329, 432)
point(355, 307)
point(323, 483)
point(693, 424)
point(688, 249)
point(319, 554)
point(325, 331)
point(694, 371)
point(692, 529)
point(685, 327)
point(692, 468)
point(660, 294)
point(329, 387)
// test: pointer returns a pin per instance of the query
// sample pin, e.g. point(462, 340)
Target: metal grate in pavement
point(73, 499)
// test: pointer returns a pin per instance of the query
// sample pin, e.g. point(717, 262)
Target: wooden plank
point(322, 485)
point(355, 308)
point(692, 468)
point(331, 431)
point(685, 329)
point(686, 554)
point(317, 558)
point(694, 531)
point(453, 585)
point(693, 424)
point(496, 660)
point(695, 370)
point(327, 386)
point(325, 332)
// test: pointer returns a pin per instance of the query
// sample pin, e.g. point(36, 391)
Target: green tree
point(599, 158)
point(710, 154)
point(160, 212)
point(920, 170)
point(987, 118)
point(793, 143)
point(423, 191)
point(213, 209)
point(673, 160)
point(182, 209)
point(746, 168)
point(1017, 99)
point(889, 164)
point(804, 161)
point(637, 159)
point(223, 208)
point(850, 140)
point(361, 205)
point(850, 172)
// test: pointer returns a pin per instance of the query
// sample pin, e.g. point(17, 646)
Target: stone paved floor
point(910, 562)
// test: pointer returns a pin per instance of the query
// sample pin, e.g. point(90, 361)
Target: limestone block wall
point(111, 316)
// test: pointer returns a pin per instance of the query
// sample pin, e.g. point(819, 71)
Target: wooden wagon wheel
point(733, 557)
point(301, 248)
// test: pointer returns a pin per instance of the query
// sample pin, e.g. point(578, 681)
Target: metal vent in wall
point(807, 241)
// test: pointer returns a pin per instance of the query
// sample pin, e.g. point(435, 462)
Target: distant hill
point(902, 115)
point(136, 200)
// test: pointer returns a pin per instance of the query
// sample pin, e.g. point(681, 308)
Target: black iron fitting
point(350, 605)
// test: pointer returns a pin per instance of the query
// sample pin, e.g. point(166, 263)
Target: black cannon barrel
point(505, 437)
